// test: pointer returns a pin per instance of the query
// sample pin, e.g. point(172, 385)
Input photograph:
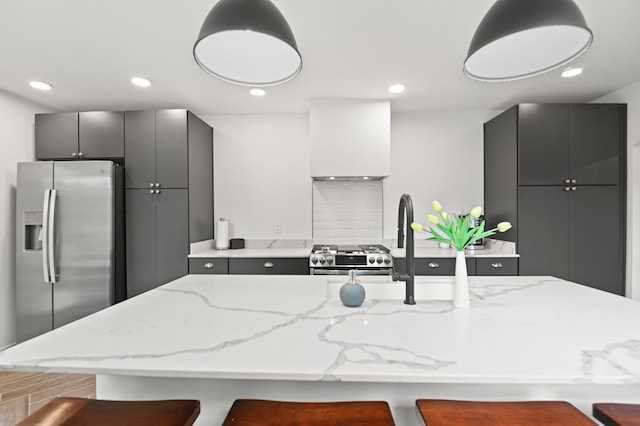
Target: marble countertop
point(494, 248)
point(539, 330)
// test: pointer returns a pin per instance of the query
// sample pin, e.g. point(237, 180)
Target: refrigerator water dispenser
point(32, 231)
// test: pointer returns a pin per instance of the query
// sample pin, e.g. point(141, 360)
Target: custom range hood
point(350, 139)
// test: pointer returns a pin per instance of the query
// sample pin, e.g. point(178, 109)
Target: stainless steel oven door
point(345, 271)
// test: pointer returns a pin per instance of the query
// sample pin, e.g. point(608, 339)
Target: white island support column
point(216, 396)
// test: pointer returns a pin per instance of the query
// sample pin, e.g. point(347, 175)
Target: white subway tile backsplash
point(347, 209)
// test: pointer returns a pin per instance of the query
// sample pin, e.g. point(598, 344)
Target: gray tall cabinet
point(169, 193)
point(558, 173)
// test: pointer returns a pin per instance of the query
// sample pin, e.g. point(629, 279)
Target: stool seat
point(611, 414)
point(96, 412)
point(437, 412)
point(248, 412)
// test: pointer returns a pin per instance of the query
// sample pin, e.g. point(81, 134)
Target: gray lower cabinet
point(79, 135)
point(157, 238)
point(475, 265)
point(496, 266)
point(269, 265)
point(209, 266)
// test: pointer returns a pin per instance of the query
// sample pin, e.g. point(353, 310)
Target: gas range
point(366, 259)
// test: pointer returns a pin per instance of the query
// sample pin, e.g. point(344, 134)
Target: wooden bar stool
point(96, 412)
point(248, 412)
point(611, 414)
point(437, 412)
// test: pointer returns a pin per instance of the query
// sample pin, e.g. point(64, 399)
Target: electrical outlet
point(277, 228)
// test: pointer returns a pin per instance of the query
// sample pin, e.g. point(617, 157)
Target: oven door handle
point(320, 271)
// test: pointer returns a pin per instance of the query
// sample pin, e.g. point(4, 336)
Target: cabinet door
point(140, 148)
point(101, 134)
point(171, 148)
point(496, 266)
point(141, 241)
point(594, 148)
point(200, 180)
point(543, 235)
point(173, 234)
point(209, 266)
point(596, 234)
point(56, 135)
point(269, 266)
point(543, 144)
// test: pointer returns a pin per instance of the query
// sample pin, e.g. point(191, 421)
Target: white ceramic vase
point(461, 283)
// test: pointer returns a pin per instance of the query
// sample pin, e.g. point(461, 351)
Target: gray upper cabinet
point(84, 135)
point(573, 142)
point(570, 163)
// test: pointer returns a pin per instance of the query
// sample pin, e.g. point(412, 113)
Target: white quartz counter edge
point(518, 330)
point(304, 252)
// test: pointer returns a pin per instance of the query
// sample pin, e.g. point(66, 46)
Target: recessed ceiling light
point(257, 92)
point(40, 85)
point(396, 88)
point(572, 72)
point(332, 177)
point(140, 81)
point(365, 177)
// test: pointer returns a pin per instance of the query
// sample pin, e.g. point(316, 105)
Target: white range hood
point(350, 139)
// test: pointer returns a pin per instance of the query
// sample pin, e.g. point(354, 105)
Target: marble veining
point(518, 330)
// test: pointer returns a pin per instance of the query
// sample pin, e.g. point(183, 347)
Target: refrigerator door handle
point(48, 255)
point(51, 238)
point(45, 236)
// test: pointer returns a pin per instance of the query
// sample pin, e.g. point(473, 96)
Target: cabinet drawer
point(269, 266)
point(497, 266)
point(435, 266)
point(209, 266)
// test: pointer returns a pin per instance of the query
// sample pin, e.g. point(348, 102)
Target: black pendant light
point(523, 38)
point(247, 42)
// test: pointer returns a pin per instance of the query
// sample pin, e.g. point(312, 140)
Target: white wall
point(261, 174)
point(261, 169)
point(16, 145)
point(631, 96)
point(435, 156)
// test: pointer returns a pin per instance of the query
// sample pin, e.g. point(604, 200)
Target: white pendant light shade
point(247, 42)
point(523, 38)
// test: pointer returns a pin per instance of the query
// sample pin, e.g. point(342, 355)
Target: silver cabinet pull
point(157, 185)
point(268, 265)
point(573, 188)
point(496, 265)
point(434, 265)
point(80, 155)
point(151, 191)
point(157, 191)
point(208, 265)
point(74, 155)
point(573, 181)
point(567, 181)
point(566, 188)
point(151, 185)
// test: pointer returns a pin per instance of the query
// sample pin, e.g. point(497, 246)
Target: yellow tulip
point(504, 226)
point(476, 212)
point(437, 207)
point(417, 227)
point(432, 219)
point(444, 215)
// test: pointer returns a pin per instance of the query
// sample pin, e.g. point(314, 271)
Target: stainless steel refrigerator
point(70, 242)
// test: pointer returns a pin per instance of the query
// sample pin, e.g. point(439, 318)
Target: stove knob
point(329, 260)
point(314, 260)
point(322, 261)
point(379, 260)
point(372, 260)
point(387, 261)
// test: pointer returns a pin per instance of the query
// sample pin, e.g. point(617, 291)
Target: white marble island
point(222, 337)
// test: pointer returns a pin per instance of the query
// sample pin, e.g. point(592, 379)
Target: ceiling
point(88, 50)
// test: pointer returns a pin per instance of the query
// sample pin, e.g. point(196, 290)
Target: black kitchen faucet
point(406, 205)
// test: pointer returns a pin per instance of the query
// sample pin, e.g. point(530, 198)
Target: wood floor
point(23, 393)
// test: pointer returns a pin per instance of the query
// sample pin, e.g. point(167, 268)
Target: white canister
point(222, 234)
